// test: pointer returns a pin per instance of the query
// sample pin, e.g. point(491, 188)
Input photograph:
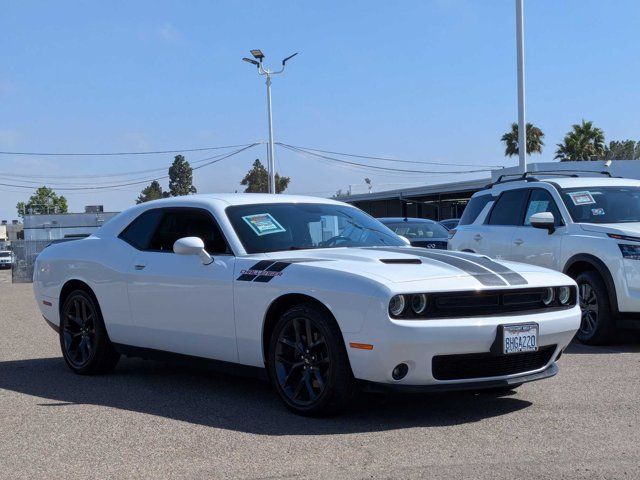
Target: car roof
point(405, 220)
point(247, 199)
point(563, 182)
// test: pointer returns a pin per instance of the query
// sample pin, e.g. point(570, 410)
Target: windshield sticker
point(597, 211)
point(263, 224)
point(582, 198)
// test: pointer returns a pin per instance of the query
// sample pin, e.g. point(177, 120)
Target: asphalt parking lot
point(158, 420)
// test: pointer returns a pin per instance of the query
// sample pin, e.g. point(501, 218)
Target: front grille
point(481, 365)
point(437, 244)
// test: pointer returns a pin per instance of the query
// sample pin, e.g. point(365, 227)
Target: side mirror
point(405, 239)
point(192, 246)
point(543, 220)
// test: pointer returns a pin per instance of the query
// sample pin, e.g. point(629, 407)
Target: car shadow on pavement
point(203, 397)
point(625, 342)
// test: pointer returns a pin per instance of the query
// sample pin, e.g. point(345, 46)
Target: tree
point(583, 142)
point(151, 192)
point(257, 180)
point(44, 200)
point(534, 140)
point(181, 178)
point(622, 150)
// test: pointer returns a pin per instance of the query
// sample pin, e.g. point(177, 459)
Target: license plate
point(519, 338)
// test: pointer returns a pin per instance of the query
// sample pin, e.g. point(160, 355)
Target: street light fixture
point(259, 56)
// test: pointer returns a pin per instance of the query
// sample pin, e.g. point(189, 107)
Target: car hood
point(412, 264)
point(628, 229)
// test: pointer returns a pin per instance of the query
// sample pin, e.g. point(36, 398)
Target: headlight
point(396, 305)
point(418, 303)
point(630, 251)
point(548, 296)
point(564, 295)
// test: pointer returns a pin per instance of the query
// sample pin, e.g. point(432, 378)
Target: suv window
point(540, 201)
point(138, 233)
point(178, 223)
point(473, 209)
point(508, 208)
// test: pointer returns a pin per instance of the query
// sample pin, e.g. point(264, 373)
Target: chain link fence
point(25, 252)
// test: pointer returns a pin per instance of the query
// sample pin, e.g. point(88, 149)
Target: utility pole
point(271, 163)
point(522, 123)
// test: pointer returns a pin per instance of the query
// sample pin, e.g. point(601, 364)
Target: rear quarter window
point(139, 232)
point(473, 208)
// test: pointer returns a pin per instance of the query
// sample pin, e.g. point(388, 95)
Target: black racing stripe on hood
point(272, 271)
point(482, 274)
point(509, 275)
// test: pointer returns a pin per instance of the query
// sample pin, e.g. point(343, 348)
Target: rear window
point(473, 209)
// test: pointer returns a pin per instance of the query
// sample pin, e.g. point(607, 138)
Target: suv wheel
point(597, 325)
point(308, 362)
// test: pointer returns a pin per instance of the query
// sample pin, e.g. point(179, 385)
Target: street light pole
point(271, 162)
point(522, 124)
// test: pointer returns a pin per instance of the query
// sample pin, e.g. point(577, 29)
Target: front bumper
point(375, 387)
point(417, 342)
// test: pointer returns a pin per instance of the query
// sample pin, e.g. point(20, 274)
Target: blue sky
point(419, 80)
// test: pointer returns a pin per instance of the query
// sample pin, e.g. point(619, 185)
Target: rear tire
point(85, 345)
point(308, 363)
point(597, 325)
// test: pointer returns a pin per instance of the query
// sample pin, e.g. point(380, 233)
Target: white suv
point(586, 227)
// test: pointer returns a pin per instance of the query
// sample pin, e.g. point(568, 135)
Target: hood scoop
point(401, 261)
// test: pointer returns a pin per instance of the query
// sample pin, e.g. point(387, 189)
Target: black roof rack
point(526, 176)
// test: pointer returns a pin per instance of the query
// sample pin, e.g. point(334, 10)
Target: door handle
point(477, 237)
point(139, 266)
point(518, 241)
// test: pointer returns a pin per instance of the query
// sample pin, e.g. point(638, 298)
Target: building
point(448, 200)
point(63, 225)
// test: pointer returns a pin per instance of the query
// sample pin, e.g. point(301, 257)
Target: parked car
point(449, 223)
point(419, 231)
point(312, 293)
point(586, 227)
point(6, 259)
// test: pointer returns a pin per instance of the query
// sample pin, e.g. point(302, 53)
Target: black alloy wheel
point(597, 325)
point(308, 362)
point(85, 345)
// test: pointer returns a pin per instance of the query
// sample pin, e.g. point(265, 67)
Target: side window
point(541, 201)
point(138, 233)
point(187, 222)
point(473, 209)
point(508, 208)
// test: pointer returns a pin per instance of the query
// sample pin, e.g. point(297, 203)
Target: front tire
point(308, 363)
point(85, 345)
point(597, 325)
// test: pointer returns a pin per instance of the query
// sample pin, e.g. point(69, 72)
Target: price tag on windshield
point(263, 224)
point(582, 198)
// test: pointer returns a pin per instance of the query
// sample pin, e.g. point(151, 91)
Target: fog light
point(400, 371)
point(564, 294)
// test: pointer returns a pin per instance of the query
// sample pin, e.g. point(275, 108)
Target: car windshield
point(416, 230)
point(296, 226)
point(5, 254)
point(603, 204)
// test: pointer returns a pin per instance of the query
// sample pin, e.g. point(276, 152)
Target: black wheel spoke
point(78, 331)
point(309, 335)
point(318, 378)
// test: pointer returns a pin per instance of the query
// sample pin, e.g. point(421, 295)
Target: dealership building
point(448, 200)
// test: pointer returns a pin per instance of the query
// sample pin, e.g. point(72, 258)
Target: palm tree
point(583, 142)
point(534, 140)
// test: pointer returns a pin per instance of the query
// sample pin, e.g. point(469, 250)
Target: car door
point(536, 245)
point(177, 303)
point(494, 238)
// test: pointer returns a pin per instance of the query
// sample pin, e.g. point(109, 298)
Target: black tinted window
point(541, 201)
point(473, 209)
point(139, 232)
point(508, 208)
point(187, 222)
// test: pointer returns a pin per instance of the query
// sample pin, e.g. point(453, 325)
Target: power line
point(384, 158)
point(105, 187)
point(377, 167)
point(109, 154)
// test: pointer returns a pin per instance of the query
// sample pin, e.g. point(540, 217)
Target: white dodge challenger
point(314, 294)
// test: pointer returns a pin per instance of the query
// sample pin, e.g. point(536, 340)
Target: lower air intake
point(481, 365)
